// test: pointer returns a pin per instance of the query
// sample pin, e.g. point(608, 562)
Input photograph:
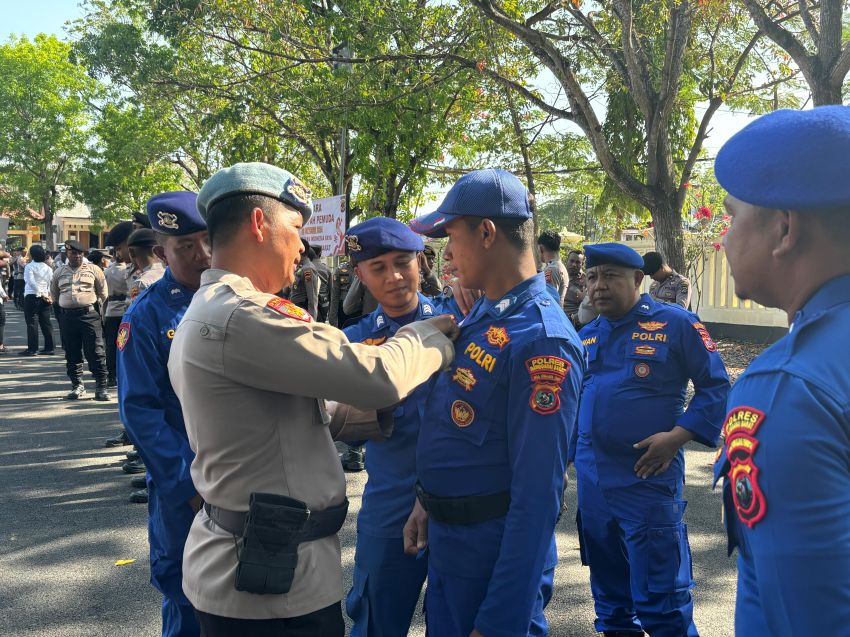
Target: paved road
point(65, 520)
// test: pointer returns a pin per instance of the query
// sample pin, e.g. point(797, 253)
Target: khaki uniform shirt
point(305, 291)
point(250, 370)
point(556, 275)
point(339, 288)
point(119, 293)
point(146, 278)
point(77, 288)
point(674, 289)
point(576, 291)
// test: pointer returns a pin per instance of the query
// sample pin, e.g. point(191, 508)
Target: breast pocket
point(645, 363)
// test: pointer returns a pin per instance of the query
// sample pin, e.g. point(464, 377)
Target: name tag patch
point(547, 375)
point(741, 445)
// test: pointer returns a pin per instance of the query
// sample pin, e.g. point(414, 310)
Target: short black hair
point(226, 215)
point(518, 232)
point(577, 251)
point(311, 253)
point(550, 240)
point(37, 253)
point(317, 250)
point(652, 262)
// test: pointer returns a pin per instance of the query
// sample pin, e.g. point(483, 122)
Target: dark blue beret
point(256, 178)
point(491, 192)
point(379, 235)
point(790, 160)
point(175, 213)
point(142, 238)
point(612, 254)
point(119, 233)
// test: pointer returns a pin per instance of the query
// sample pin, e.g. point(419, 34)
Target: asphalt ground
point(65, 520)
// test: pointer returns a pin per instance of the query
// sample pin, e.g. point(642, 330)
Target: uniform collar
point(237, 283)
point(176, 290)
point(830, 294)
point(506, 305)
point(644, 307)
point(381, 321)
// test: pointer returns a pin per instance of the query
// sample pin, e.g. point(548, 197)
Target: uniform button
point(659, 533)
point(544, 303)
point(205, 330)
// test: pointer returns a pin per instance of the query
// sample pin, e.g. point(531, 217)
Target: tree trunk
point(47, 209)
point(669, 238)
point(823, 92)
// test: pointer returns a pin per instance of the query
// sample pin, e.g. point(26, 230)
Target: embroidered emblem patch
point(352, 243)
point(547, 375)
point(497, 337)
point(651, 326)
point(645, 350)
point(170, 334)
point(642, 370)
point(288, 308)
point(462, 413)
point(547, 274)
point(465, 378)
point(123, 336)
point(375, 341)
point(299, 191)
point(741, 445)
point(706, 338)
point(167, 220)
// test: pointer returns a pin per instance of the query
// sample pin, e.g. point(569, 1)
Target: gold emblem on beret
point(167, 220)
point(352, 243)
point(299, 191)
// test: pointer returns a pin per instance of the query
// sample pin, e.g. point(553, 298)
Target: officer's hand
point(423, 263)
point(415, 530)
point(447, 324)
point(660, 448)
point(464, 297)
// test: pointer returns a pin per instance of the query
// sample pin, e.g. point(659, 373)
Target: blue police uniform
point(493, 447)
point(785, 463)
point(387, 582)
point(153, 418)
point(631, 531)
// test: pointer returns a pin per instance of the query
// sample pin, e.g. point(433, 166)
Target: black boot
point(139, 497)
point(133, 466)
point(78, 391)
point(623, 633)
point(139, 482)
point(100, 392)
point(119, 441)
point(353, 460)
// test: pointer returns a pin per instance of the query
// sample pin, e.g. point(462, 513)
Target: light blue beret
point(256, 178)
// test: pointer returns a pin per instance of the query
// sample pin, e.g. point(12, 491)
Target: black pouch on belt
point(268, 548)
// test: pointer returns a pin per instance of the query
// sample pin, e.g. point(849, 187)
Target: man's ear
point(638, 278)
point(256, 227)
point(488, 232)
point(159, 252)
point(787, 231)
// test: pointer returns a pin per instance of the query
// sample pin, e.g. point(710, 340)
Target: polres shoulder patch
point(288, 308)
point(740, 429)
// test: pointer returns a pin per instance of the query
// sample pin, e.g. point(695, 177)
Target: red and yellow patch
point(642, 370)
point(651, 326)
point(123, 336)
point(462, 413)
point(288, 308)
point(465, 378)
point(547, 375)
point(375, 341)
point(706, 338)
point(740, 428)
point(645, 350)
point(497, 337)
point(170, 334)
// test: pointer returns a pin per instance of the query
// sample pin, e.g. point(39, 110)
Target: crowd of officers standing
point(234, 381)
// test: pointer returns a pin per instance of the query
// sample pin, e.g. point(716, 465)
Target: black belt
point(117, 297)
point(319, 523)
point(465, 510)
point(78, 310)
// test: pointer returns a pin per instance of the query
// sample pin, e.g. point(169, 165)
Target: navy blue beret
point(119, 233)
point(491, 192)
point(256, 178)
point(175, 213)
point(612, 254)
point(790, 160)
point(379, 235)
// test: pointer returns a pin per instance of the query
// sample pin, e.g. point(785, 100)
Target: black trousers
point(82, 333)
point(38, 310)
point(110, 335)
point(2, 321)
point(18, 295)
point(326, 622)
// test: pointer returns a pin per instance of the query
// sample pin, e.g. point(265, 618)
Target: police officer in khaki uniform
point(305, 291)
point(251, 370)
point(78, 287)
point(149, 269)
point(667, 285)
point(339, 288)
point(549, 249)
point(118, 300)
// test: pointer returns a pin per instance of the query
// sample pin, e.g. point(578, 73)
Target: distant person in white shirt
point(37, 302)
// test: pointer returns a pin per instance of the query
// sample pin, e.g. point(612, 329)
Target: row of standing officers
point(473, 417)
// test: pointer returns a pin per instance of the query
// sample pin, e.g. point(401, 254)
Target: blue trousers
point(386, 587)
point(636, 545)
point(452, 603)
point(178, 620)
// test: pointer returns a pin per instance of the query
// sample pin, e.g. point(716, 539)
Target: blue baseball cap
point(491, 192)
point(790, 160)
point(380, 235)
point(256, 178)
point(175, 213)
point(612, 254)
